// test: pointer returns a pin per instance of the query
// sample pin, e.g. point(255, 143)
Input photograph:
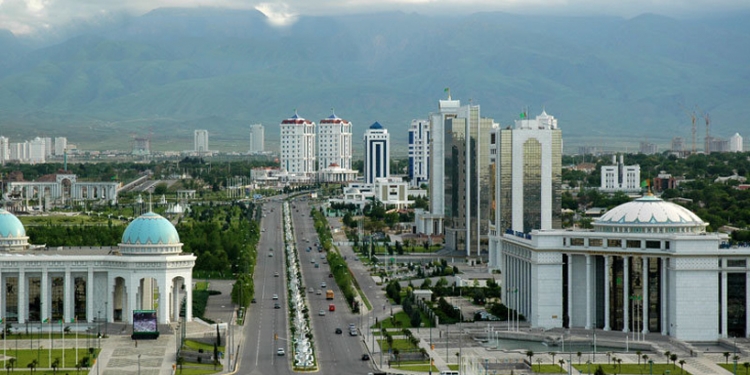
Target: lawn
point(195, 345)
point(198, 369)
point(400, 344)
point(401, 320)
point(418, 366)
point(643, 368)
point(25, 356)
point(201, 285)
point(741, 369)
point(548, 369)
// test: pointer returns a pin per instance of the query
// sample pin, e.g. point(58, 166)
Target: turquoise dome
point(150, 229)
point(10, 226)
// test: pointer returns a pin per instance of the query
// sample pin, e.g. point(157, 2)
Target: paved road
point(336, 353)
point(263, 322)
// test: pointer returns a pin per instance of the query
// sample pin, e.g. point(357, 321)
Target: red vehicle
point(331, 307)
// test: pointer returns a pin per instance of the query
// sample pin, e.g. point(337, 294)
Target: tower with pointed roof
point(377, 153)
point(297, 139)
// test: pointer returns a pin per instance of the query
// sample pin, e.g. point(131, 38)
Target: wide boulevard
point(266, 328)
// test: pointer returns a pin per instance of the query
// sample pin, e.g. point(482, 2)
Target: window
point(595, 242)
point(576, 242)
point(736, 263)
point(633, 244)
point(614, 243)
point(653, 244)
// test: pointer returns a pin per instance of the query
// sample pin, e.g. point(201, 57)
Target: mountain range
point(611, 82)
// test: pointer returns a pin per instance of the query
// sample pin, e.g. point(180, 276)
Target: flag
point(72, 320)
point(446, 89)
point(523, 114)
point(644, 183)
point(46, 320)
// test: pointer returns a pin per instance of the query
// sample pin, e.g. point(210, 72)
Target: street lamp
point(651, 367)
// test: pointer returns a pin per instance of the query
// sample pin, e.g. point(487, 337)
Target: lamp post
point(651, 367)
point(588, 366)
point(106, 317)
point(734, 360)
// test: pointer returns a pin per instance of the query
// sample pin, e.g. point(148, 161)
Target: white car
point(280, 352)
point(275, 296)
point(323, 284)
point(321, 312)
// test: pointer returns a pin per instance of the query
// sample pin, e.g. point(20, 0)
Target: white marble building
point(645, 258)
point(147, 271)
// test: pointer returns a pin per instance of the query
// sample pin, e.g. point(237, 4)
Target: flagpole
point(76, 340)
point(62, 335)
point(49, 353)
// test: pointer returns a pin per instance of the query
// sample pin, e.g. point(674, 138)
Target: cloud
point(28, 16)
point(278, 14)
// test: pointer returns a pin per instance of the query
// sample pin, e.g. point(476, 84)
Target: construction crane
point(708, 132)
point(693, 118)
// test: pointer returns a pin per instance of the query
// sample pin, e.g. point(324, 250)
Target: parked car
point(280, 352)
point(365, 357)
point(253, 300)
point(339, 331)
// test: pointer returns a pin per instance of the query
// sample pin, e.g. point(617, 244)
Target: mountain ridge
point(600, 76)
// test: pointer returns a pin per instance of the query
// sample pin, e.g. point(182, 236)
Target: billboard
point(144, 321)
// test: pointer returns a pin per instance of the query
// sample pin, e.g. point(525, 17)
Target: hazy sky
point(29, 16)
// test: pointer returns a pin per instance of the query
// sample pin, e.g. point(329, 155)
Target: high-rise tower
point(334, 142)
point(200, 141)
point(257, 139)
point(377, 153)
point(419, 152)
point(298, 146)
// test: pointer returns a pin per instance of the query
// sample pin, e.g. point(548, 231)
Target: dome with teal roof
point(150, 234)
point(650, 214)
point(12, 233)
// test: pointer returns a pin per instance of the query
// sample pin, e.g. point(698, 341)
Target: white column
point(175, 300)
point(90, 295)
point(607, 283)
point(133, 285)
point(188, 296)
point(570, 290)
point(67, 297)
point(723, 301)
point(22, 298)
point(626, 293)
point(164, 288)
point(664, 298)
point(747, 300)
point(44, 297)
point(588, 291)
point(645, 319)
point(3, 301)
point(110, 298)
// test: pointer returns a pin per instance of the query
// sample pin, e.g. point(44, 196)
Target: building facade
point(200, 141)
point(298, 146)
point(735, 143)
point(431, 222)
point(377, 153)
point(61, 145)
point(419, 152)
point(647, 266)
point(467, 150)
point(334, 143)
point(620, 177)
point(147, 271)
point(257, 139)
